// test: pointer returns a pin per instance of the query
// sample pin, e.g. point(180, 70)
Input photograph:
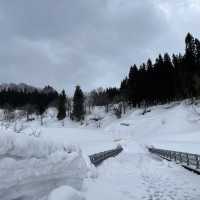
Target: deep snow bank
point(20, 146)
point(33, 167)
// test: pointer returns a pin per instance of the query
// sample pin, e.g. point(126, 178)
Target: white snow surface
point(52, 166)
point(142, 176)
point(30, 168)
point(65, 193)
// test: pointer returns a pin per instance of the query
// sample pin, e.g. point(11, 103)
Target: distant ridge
point(23, 87)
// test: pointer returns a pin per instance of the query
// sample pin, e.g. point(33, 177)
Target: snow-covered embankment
point(31, 168)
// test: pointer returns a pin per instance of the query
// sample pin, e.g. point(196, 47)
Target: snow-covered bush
point(9, 115)
point(118, 111)
point(35, 132)
point(18, 126)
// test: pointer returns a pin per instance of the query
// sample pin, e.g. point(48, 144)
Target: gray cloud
point(91, 43)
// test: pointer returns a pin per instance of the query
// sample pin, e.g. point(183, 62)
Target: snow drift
point(20, 146)
point(37, 167)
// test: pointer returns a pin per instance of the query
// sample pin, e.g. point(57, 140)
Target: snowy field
point(55, 165)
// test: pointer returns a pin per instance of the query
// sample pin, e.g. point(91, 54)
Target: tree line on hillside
point(169, 78)
point(38, 101)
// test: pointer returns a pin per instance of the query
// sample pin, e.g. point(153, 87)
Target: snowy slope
point(174, 127)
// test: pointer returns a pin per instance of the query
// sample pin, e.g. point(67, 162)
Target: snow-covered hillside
point(58, 156)
point(175, 127)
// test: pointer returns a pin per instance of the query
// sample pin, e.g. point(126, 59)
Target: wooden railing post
point(197, 162)
point(180, 158)
point(188, 161)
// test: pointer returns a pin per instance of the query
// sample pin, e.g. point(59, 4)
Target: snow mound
point(20, 146)
point(65, 193)
point(37, 167)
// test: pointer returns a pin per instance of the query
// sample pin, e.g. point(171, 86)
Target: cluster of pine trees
point(78, 111)
point(101, 97)
point(168, 79)
point(38, 100)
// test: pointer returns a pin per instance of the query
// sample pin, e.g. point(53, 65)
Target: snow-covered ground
point(55, 165)
point(144, 177)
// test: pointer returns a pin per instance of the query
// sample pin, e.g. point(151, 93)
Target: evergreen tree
point(132, 85)
point(158, 78)
point(168, 78)
point(179, 76)
point(197, 72)
point(189, 64)
point(190, 49)
point(141, 86)
point(124, 90)
point(150, 88)
point(197, 53)
point(78, 105)
point(61, 106)
point(41, 106)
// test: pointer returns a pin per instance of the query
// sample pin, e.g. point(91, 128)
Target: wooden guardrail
point(187, 160)
point(98, 158)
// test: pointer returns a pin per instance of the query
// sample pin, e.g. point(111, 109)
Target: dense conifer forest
point(169, 78)
point(35, 99)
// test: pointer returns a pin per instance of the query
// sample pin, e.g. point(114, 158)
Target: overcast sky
point(88, 42)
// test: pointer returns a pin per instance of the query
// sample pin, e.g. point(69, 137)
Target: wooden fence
point(98, 158)
point(185, 159)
